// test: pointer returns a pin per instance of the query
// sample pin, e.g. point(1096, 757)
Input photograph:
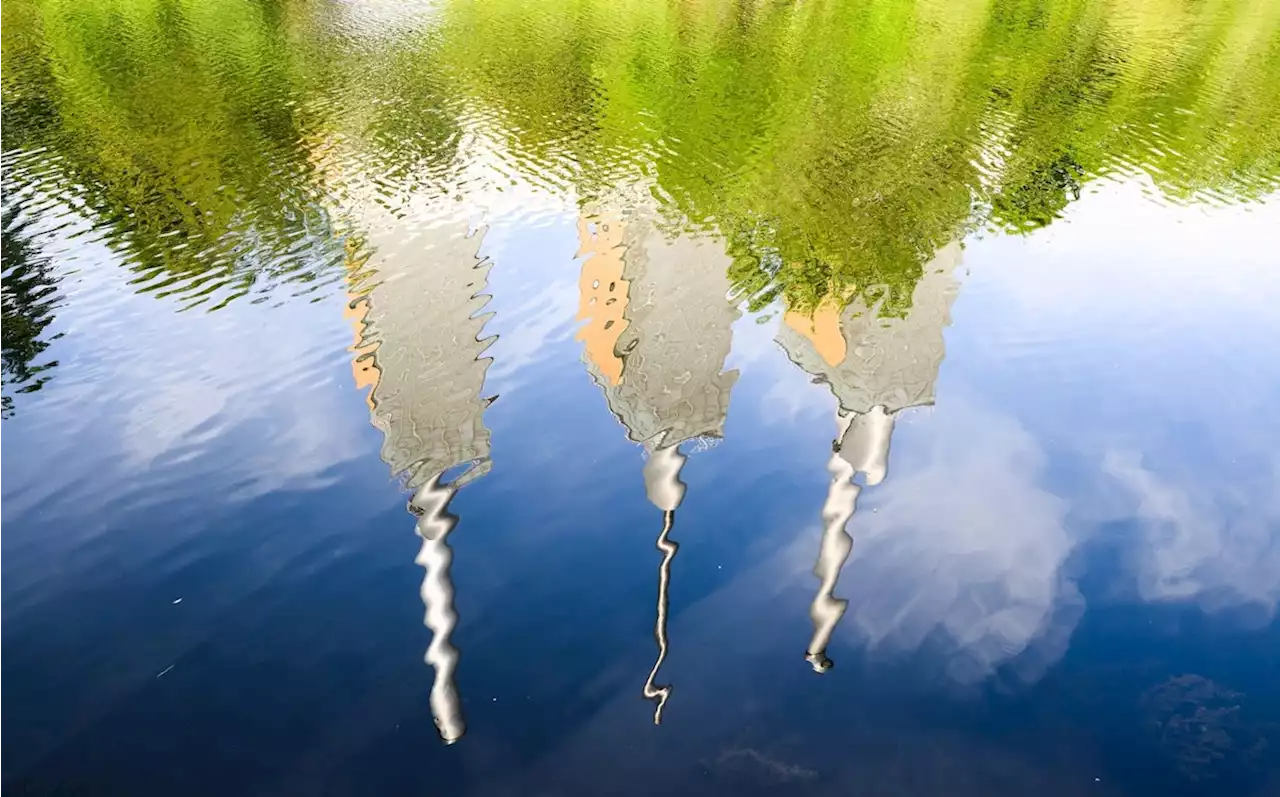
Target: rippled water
point(829, 397)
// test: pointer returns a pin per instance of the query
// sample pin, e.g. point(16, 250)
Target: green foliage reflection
point(834, 144)
point(837, 145)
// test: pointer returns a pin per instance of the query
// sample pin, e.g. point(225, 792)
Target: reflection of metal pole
point(864, 443)
point(863, 447)
point(652, 691)
point(435, 522)
point(826, 610)
point(666, 491)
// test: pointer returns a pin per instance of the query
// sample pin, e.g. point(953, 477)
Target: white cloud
point(965, 550)
point(1200, 542)
point(171, 385)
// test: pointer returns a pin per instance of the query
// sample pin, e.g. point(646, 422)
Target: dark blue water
point(452, 493)
point(1066, 581)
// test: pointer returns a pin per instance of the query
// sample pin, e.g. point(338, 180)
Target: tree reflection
point(29, 294)
point(834, 145)
point(837, 146)
point(175, 125)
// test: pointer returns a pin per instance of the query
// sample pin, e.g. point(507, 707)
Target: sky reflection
point(926, 346)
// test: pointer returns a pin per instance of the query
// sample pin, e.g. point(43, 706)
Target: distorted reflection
point(1216, 546)
point(28, 300)
point(657, 331)
point(420, 349)
point(877, 366)
point(215, 198)
point(822, 157)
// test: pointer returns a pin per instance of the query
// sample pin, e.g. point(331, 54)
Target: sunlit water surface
point(645, 397)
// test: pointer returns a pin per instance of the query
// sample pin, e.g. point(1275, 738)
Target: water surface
point(595, 398)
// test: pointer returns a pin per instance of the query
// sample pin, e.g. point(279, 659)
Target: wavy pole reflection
point(657, 330)
point(419, 348)
point(435, 522)
point(665, 490)
point(877, 367)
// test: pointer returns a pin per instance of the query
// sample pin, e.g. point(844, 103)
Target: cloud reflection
point(1217, 547)
point(964, 552)
point(961, 553)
